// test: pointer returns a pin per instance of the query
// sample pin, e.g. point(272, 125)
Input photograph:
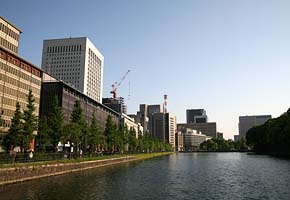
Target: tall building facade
point(17, 76)
point(164, 127)
point(247, 122)
point(9, 36)
point(67, 96)
point(144, 115)
point(77, 62)
point(196, 116)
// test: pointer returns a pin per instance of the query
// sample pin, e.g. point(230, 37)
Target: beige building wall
point(17, 77)
point(9, 35)
point(130, 123)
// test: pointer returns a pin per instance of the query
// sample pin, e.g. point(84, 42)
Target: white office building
point(77, 62)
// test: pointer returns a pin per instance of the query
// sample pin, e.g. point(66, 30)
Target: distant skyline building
point(145, 113)
point(247, 122)
point(220, 135)
point(208, 129)
point(164, 127)
point(196, 116)
point(192, 139)
point(236, 138)
point(130, 123)
point(77, 62)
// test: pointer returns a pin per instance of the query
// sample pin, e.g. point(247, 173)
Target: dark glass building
point(196, 116)
point(67, 96)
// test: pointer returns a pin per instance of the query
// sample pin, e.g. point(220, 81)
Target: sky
point(230, 57)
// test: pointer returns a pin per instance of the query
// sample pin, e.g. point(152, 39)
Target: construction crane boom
point(117, 84)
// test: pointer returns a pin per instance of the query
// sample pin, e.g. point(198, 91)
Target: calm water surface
point(178, 176)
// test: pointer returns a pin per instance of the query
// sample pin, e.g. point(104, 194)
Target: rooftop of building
point(3, 18)
point(20, 58)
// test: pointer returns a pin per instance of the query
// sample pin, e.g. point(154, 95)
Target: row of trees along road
point(84, 136)
point(273, 137)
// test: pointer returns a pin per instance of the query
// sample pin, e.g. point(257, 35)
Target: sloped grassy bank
point(14, 173)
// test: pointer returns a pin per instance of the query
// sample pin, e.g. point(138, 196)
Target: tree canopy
point(273, 137)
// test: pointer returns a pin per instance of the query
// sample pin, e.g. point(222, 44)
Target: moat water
point(178, 176)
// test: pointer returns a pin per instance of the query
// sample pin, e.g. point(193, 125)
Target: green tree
point(77, 113)
point(77, 118)
point(55, 123)
point(93, 134)
point(72, 134)
point(132, 141)
point(13, 137)
point(209, 145)
point(110, 134)
point(43, 138)
point(30, 122)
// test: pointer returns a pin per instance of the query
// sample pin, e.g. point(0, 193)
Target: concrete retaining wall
point(24, 173)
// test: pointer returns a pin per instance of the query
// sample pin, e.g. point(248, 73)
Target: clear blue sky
point(229, 57)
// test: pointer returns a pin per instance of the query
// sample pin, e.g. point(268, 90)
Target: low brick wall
point(24, 173)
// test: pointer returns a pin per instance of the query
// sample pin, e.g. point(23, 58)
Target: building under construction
point(116, 104)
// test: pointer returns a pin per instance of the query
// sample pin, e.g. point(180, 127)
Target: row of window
point(63, 57)
point(8, 45)
point(63, 68)
point(19, 84)
point(9, 32)
point(63, 62)
point(20, 74)
point(67, 48)
point(48, 55)
point(15, 61)
point(93, 56)
point(21, 95)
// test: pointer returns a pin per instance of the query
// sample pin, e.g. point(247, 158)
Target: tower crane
point(117, 84)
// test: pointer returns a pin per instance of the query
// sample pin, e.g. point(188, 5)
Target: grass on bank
point(85, 159)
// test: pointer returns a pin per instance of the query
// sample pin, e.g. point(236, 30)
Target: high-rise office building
point(164, 127)
point(17, 76)
point(145, 113)
point(196, 116)
point(247, 122)
point(77, 62)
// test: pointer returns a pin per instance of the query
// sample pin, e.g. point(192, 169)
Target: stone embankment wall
point(24, 173)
